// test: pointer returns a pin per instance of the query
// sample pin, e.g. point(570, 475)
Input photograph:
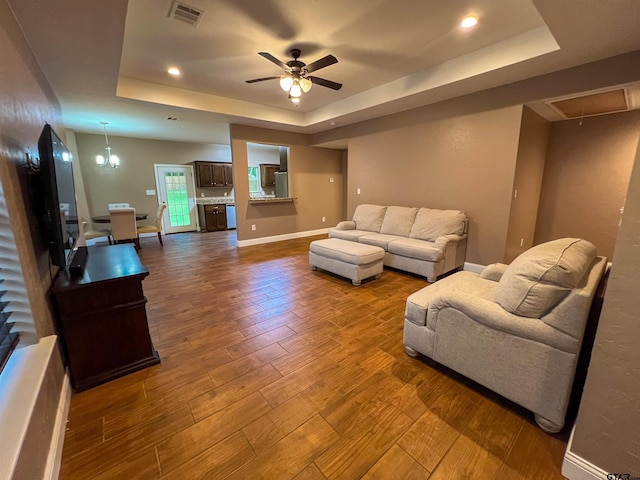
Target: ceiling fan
point(296, 78)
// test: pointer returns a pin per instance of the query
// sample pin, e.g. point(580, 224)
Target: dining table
point(107, 218)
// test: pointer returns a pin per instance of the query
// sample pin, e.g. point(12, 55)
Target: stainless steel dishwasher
point(231, 216)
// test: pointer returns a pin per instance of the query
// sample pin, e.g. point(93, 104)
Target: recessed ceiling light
point(174, 71)
point(468, 22)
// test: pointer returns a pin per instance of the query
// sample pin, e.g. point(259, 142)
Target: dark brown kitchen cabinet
point(268, 174)
point(215, 217)
point(212, 174)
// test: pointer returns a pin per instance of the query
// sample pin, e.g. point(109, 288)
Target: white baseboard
point(279, 238)
point(575, 467)
point(54, 459)
point(473, 267)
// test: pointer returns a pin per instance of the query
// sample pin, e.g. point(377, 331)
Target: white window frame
point(258, 189)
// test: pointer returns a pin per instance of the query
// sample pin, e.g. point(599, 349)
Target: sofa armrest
point(493, 316)
point(442, 241)
point(494, 271)
point(346, 225)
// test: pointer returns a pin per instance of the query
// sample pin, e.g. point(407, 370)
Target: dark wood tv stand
point(102, 319)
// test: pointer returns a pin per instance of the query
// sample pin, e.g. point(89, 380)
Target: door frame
point(193, 184)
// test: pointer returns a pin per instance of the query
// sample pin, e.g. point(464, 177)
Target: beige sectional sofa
point(515, 329)
point(424, 241)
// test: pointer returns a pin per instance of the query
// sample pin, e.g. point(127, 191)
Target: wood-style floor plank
point(271, 370)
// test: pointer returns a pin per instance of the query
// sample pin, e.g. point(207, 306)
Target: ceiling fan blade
point(321, 63)
point(273, 59)
point(325, 83)
point(261, 79)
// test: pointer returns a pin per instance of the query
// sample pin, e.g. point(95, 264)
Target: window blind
point(8, 339)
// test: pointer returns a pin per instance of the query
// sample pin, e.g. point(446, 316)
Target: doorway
point(177, 189)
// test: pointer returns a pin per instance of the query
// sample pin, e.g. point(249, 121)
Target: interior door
point(176, 188)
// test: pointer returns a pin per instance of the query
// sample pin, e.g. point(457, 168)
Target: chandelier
point(108, 159)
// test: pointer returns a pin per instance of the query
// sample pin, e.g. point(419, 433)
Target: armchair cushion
point(432, 223)
point(540, 278)
point(369, 217)
point(398, 220)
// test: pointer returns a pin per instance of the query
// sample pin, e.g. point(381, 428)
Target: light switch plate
point(151, 192)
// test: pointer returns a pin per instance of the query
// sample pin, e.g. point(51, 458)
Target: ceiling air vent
point(185, 13)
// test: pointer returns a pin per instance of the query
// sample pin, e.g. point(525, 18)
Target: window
point(254, 180)
point(8, 339)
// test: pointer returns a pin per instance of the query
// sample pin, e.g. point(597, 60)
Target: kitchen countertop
point(271, 199)
point(214, 200)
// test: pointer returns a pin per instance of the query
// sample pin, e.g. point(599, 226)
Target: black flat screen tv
point(60, 211)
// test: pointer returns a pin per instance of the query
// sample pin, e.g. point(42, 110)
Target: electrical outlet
point(358, 191)
point(253, 227)
point(151, 192)
point(324, 219)
point(330, 179)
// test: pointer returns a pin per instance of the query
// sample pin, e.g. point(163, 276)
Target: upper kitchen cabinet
point(214, 174)
point(268, 174)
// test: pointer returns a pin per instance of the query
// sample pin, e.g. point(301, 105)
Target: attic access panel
point(595, 104)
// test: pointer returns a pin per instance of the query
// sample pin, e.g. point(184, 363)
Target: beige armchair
point(123, 225)
point(89, 234)
point(515, 329)
point(157, 227)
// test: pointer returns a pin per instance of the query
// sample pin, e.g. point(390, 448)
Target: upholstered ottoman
point(352, 260)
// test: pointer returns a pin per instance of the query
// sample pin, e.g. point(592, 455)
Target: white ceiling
point(106, 60)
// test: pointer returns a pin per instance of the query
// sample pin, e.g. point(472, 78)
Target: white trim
point(20, 385)
point(279, 238)
point(575, 467)
point(473, 267)
point(54, 459)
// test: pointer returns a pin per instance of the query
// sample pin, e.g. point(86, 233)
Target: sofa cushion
point(413, 248)
point(369, 217)
point(540, 278)
point(379, 239)
point(431, 223)
point(398, 220)
point(352, 235)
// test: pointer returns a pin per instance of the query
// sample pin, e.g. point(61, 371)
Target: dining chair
point(118, 205)
point(89, 234)
point(123, 225)
point(157, 227)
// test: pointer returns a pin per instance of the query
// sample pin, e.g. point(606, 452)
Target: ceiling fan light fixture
point(296, 90)
point(305, 84)
point(294, 100)
point(286, 82)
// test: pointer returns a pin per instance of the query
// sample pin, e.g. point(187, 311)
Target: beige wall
point(586, 178)
point(532, 149)
point(310, 169)
point(466, 162)
point(129, 182)
point(28, 102)
point(606, 432)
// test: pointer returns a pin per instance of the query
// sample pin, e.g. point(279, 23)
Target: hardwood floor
point(270, 370)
